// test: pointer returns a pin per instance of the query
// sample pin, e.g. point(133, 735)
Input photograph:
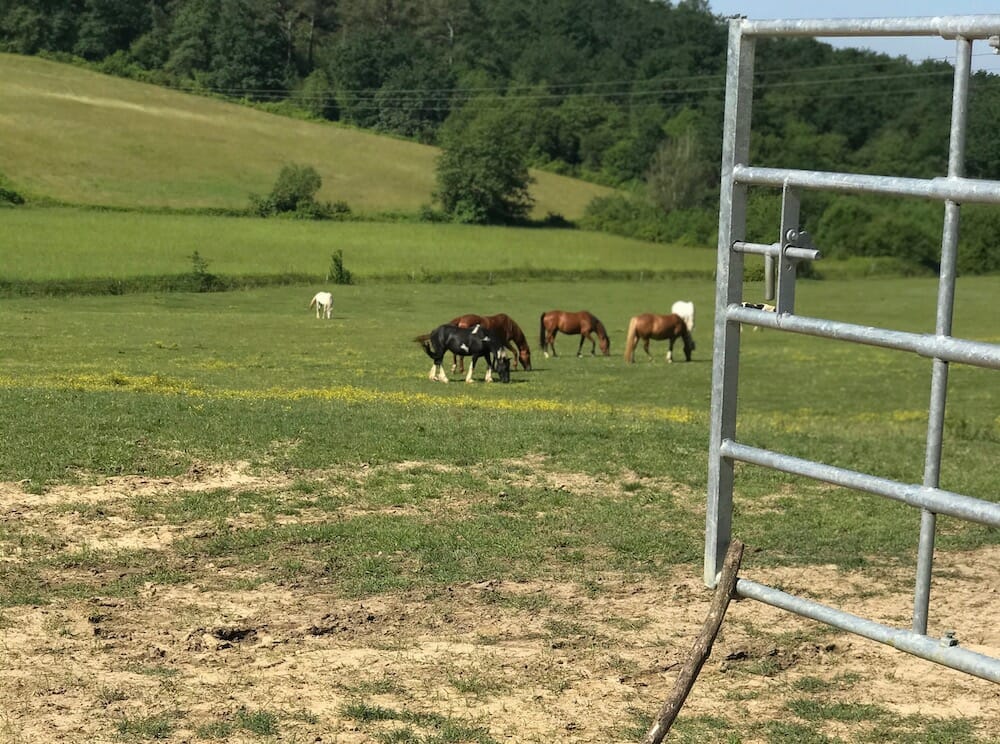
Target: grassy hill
point(85, 138)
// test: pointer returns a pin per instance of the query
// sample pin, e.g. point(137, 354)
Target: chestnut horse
point(657, 327)
point(502, 325)
point(582, 322)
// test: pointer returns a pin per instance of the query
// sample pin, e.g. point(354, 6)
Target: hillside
point(86, 138)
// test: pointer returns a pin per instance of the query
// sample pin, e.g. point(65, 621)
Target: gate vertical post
point(945, 308)
point(790, 209)
point(729, 289)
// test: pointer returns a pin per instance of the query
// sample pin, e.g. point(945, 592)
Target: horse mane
point(514, 332)
point(601, 332)
point(631, 340)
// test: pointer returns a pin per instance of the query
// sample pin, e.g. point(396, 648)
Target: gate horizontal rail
point(936, 499)
point(956, 189)
point(946, 348)
point(927, 648)
point(947, 27)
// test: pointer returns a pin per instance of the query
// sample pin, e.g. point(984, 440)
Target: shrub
point(317, 96)
point(296, 184)
point(634, 217)
point(294, 195)
point(337, 273)
point(10, 196)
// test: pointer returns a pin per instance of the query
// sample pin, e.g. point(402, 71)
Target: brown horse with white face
point(648, 326)
point(583, 322)
point(503, 326)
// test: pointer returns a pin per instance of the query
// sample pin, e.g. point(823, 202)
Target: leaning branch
point(724, 591)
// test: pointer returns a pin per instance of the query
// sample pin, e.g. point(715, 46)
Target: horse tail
point(541, 331)
point(630, 340)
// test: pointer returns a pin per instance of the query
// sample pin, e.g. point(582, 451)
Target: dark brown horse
point(582, 322)
point(657, 327)
point(501, 325)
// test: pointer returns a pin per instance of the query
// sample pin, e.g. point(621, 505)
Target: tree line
point(627, 93)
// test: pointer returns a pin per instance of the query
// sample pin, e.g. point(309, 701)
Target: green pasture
point(80, 137)
point(151, 383)
point(64, 244)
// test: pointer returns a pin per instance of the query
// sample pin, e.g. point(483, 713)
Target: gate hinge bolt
point(949, 639)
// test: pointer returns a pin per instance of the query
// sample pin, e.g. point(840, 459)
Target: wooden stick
point(702, 646)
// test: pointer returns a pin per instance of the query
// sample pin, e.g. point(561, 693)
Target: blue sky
point(916, 48)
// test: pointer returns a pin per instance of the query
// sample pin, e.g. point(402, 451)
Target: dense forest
point(627, 93)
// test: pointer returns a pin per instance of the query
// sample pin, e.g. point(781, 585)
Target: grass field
point(224, 519)
point(365, 483)
point(63, 244)
point(84, 138)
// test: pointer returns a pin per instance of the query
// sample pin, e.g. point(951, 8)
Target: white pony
point(686, 310)
point(323, 301)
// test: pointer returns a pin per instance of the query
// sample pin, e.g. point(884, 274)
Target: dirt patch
point(521, 662)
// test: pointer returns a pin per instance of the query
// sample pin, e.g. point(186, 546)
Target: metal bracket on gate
point(793, 245)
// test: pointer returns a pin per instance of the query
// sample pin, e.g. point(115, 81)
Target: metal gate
point(724, 449)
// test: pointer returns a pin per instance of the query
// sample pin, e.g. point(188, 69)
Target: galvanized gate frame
point(724, 450)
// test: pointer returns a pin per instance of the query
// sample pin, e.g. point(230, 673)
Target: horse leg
point(670, 351)
point(579, 349)
point(645, 346)
point(514, 353)
point(550, 342)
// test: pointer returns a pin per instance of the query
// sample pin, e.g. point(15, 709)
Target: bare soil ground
point(525, 662)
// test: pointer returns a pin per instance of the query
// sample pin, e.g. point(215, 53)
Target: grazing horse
point(473, 342)
point(758, 306)
point(686, 310)
point(323, 302)
point(657, 327)
point(581, 322)
point(505, 327)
